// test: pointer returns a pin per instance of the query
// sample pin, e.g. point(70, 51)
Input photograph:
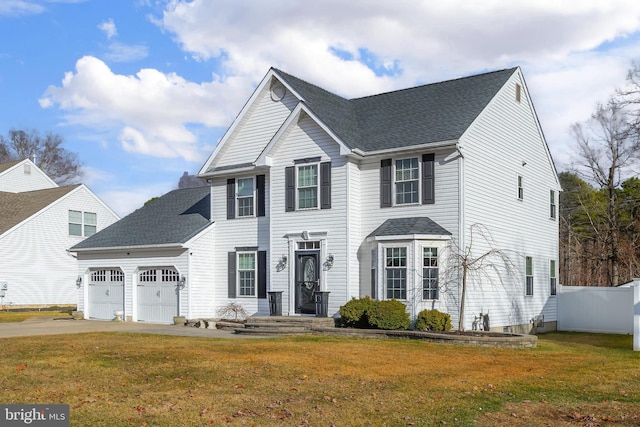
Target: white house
point(39, 221)
point(369, 196)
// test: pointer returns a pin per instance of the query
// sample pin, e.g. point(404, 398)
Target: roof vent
point(278, 91)
point(27, 169)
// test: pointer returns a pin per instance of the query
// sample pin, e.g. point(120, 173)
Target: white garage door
point(158, 295)
point(106, 293)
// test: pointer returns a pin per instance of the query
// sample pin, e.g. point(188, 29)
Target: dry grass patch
point(114, 379)
point(20, 316)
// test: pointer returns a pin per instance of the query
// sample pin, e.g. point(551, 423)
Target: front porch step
point(274, 325)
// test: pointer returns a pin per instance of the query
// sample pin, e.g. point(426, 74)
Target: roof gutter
point(429, 145)
point(131, 248)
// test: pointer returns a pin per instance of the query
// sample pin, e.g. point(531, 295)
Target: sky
point(143, 90)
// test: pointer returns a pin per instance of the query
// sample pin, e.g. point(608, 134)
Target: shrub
point(355, 312)
point(433, 320)
point(389, 314)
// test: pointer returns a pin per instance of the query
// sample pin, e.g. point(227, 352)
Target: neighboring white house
point(314, 192)
point(39, 221)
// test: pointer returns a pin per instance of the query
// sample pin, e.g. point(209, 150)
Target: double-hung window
point(307, 186)
point(529, 276)
point(552, 204)
point(520, 188)
point(396, 273)
point(82, 223)
point(247, 274)
point(430, 273)
point(553, 287)
point(245, 196)
point(407, 181)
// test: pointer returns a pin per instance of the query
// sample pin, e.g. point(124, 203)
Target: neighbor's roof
point(8, 165)
point(409, 227)
point(171, 219)
point(415, 116)
point(17, 207)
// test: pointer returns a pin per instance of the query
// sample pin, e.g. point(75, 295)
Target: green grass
point(117, 379)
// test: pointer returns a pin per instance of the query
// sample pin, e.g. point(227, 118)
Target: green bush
point(355, 312)
point(389, 314)
point(433, 320)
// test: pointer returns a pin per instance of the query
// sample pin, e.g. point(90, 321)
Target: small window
point(246, 274)
point(307, 186)
point(82, 223)
point(407, 181)
point(552, 204)
point(396, 273)
point(553, 284)
point(245, 196)
point(90, 223)
point(309, 245)
point(529, 274)
point(430, 273)
point(520, 188)
point(75, 223)
point(518, 92)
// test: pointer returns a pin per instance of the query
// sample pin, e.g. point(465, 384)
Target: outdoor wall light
point(79, 281)
point(282, 263)
point(182, 282)
point(330, 261)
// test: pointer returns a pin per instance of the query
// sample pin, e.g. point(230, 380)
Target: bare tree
point(190, 181)
point(47, 153)
point(478, 262)
point(608, 148)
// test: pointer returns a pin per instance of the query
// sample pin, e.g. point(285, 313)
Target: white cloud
point(119, 52)
point(19, 8)
point(153, 110)
point(109, 28)
point(561, 46)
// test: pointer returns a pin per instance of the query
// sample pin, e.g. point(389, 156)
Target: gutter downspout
point(461, 222)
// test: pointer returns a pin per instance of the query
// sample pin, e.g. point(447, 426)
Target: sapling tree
point(480, 260)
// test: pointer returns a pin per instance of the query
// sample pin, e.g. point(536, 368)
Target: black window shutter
point(231, 273)
point(262, 274)
point(385, 183)
point(428, 182)
point(325, 185)
point(231, 198)
point(290, 188)
point(260, 181)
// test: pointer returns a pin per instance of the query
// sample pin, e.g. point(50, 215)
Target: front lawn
point(117, 379)
point(20, 316)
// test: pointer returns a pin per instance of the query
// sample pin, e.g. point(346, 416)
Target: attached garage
point(106, 293)
point(158, 294)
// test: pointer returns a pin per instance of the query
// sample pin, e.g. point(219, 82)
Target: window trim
point(553, 278)
point(399, 268)
point(528, 273)
point(83, 224)
point(552, 204)
point(395, 182)
point(317, 185)
point(239, 271)
point(252, 197)
point(430, 289)
point(520, 187)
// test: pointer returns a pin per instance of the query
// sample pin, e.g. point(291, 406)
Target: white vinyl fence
point(604, 310)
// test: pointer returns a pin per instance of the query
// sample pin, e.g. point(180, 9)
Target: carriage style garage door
point(106, 293)
point(158, 295)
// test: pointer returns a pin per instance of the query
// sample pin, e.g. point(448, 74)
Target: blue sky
point(143, 90)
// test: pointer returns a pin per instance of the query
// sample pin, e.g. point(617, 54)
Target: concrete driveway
point(57, 326)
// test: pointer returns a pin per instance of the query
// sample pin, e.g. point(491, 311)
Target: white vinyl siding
point(24, 177)
point(42, 241)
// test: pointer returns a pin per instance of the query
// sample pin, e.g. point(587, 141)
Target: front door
point(307, 275)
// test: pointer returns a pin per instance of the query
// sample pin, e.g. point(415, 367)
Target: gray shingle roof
point(408, 227)
point(419, 115)
point(16, 207)
point(171, 219)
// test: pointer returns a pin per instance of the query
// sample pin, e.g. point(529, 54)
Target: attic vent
point(27, 169)
point(518, 92)
point(278, 91)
